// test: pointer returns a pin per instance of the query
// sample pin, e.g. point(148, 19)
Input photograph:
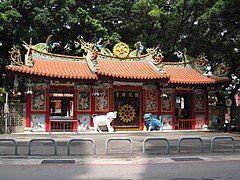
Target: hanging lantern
point(29, 87)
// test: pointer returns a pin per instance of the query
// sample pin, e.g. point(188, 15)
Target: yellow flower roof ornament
point(121, 50)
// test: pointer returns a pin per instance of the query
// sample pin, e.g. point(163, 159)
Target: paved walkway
point(119, 151)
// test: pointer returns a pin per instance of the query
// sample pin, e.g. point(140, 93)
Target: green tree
point(66, 20)
point(201, 26)
point(215, 31)
point(22, 20)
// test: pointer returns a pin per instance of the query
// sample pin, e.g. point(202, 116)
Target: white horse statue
point(102, 120)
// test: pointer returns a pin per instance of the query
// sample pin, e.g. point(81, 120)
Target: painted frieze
point(101, 100)
point(38, 122)
point(83, 98)
point(166, 100)
point(199, 99)
point(166, 120)
point(38, 100)
point(83, 122)
point(151, 99)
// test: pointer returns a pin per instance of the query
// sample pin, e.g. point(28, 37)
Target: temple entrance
point(183, 110)
point(61, 106)
point(61, 111)
point(127, 104)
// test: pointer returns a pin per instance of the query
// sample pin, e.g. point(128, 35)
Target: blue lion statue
point(151, 123)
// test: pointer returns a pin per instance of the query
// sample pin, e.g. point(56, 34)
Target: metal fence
point(214, 141)
point(81, 140)
point(118, 139)
point(189, 138)
point(155, 139)
point(222, 138)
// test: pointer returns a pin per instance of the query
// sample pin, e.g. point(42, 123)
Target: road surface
point(193, 170)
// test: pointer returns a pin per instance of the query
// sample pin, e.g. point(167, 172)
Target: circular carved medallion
point(127, 113)
point(121, 50)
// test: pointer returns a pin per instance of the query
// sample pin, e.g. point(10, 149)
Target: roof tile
point(57, 68)
point(187, 75)
point(141, 69)
point(136, 69)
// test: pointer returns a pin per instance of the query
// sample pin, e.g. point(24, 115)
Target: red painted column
point(159, 106)
point(48, 122)
point(206, 107)
point(28, 109)
point(92, 99)
point(75, 123)
point(111, 99)
point(193, 109)
point(173, 110)
point(193, 105)
point(143, 108)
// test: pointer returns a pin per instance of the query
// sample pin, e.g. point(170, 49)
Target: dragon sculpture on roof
point(46, 47)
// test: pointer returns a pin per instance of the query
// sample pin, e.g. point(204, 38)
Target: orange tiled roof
point(56, 69)
point(187, 75)
point(139, 69)
point(219, 79)
point(70, 68)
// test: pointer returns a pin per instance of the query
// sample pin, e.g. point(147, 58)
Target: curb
point(85, 160)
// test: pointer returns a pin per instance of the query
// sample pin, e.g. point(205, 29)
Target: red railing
point(63, 125)
point(184, 124)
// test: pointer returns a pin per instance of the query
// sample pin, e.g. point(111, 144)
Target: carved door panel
point(127, 104)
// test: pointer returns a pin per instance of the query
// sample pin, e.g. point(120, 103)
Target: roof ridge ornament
point(156, 58)
point(101, 46)
point(15, 56)
point(121, 50)
point(46, 47)
point(92, 60)
point(138, 50)
point(182, 55)
point(199, 63)
point(201, 60)
point(31, 51)
point(221, 70)
point(157, 55)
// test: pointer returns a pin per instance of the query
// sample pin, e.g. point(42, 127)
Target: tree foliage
point(66, 20)
point(202, 26)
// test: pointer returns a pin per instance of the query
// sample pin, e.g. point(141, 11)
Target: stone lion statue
point(102, 120)
point(151, 123)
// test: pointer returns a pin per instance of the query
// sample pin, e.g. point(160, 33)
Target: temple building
point(63, 92)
